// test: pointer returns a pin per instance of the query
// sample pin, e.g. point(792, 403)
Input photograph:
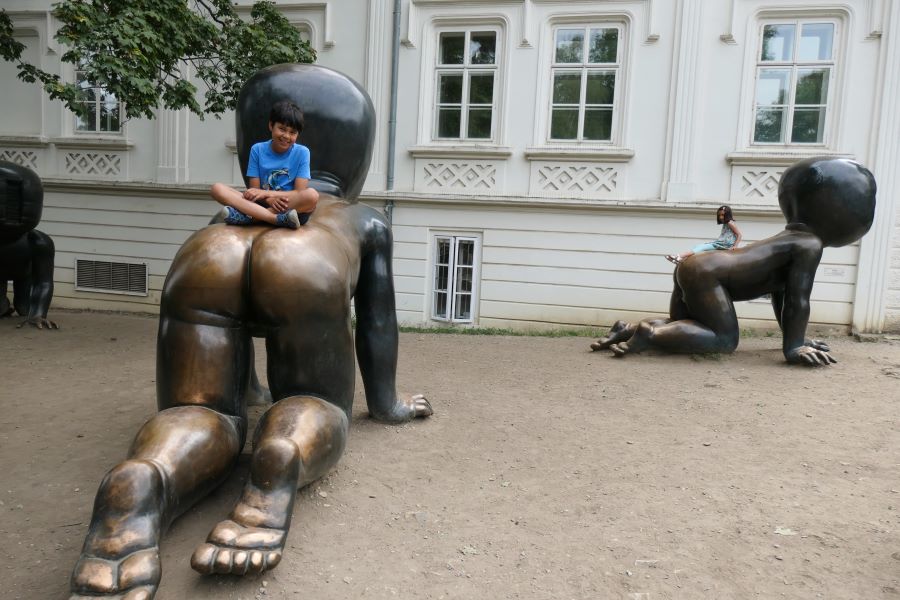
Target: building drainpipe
point(392, 121)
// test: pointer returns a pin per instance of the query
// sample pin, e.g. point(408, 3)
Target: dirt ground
point(546, 472)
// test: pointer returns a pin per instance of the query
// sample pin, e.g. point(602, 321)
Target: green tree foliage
point(149, 53)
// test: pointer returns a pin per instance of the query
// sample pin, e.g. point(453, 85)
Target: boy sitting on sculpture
point(827, 203)
point(278, 174)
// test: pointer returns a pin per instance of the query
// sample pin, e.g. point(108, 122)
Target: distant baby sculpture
point(827, 203)
point(26, 254)
point(292, 287)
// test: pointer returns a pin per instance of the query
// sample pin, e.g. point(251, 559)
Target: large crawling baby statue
point(292, 287)
point(827, 203)
point(26, 254)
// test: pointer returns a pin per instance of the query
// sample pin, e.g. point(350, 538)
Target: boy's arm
point(255, 192)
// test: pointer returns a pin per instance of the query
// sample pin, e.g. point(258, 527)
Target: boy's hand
point(254, 194)
point(277, 203)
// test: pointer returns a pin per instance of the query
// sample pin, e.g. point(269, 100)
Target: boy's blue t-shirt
point(278, 171)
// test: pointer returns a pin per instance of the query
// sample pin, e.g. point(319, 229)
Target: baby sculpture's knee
point(273, 460)
point(131, 484)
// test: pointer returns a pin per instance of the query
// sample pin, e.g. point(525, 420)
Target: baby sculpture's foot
point(619, 350)
point(236, 549)
point(120, 559)
point(134, 577)
point(252, 539)
point(619, 332)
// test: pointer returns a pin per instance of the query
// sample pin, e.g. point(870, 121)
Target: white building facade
point(548, 152)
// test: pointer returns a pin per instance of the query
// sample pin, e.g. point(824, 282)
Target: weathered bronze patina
point(26, 254)
point(292, 287)
point(827, 203)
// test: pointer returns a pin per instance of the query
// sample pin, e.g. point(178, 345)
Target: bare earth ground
point(547, 472)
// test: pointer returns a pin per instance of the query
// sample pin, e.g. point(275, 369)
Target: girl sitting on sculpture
point(729, 238)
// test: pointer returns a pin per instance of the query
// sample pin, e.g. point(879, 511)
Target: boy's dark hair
point(287, 113)
point(728, 216)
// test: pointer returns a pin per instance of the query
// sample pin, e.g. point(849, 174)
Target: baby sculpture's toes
point(234, 549)
point(619, 332)
point(134, 577)
point(421, 406)
point(619, 350)
point(810, 356)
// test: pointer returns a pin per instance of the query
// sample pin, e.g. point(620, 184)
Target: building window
point(455, 273)
point(794, 75)
point(103, 108)
point(584, 73)
point(466, 85)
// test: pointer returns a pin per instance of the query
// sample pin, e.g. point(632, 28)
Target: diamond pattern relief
point(760, 184)
point(25, 158)
point(461, 176)
point(103, 164)
point(577, 179)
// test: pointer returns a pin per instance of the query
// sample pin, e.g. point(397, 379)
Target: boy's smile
point(283, 137)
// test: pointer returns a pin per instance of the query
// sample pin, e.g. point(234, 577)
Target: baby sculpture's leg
point(298, 440)
point(140, 496)
point(619, 332)
point(190, 446)
point(300, 287)
point(702, 320)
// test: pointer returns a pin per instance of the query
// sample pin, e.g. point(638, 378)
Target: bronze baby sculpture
point(827, 203)
point(26, 254)
point(292, 287)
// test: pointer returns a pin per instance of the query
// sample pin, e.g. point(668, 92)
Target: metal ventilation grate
point(111, 277)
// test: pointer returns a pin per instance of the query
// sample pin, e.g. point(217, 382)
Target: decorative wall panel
point(93, 164)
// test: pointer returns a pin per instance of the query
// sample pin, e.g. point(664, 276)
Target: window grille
point(453, 295)
point(794, 76)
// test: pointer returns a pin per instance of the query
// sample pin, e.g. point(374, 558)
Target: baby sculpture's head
point(832, 198)
point(339, 122)
point(21, 201)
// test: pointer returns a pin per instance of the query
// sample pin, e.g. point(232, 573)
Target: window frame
point(451, 291)
point(466, 69)
point(585, 68)
point(97, 102)
point(796, 65)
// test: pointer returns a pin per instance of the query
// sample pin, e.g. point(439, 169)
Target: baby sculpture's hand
point(817, 344)
point(810, 356)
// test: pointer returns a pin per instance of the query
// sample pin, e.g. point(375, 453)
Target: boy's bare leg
point(304, 201)
point(297, 441)
point(140, 496)
point(228, 196)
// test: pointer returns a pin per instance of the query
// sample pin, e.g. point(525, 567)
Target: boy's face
point(283, 136)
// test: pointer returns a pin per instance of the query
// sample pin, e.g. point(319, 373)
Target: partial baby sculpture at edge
point(827, 203)
point(729, 238)
point(292, 287)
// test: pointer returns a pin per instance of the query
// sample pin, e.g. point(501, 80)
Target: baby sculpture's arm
point(795, 307)
point(376, 324)
point(41, 277)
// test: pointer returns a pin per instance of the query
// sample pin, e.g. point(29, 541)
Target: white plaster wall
point(353, 36)
point(585, 266)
